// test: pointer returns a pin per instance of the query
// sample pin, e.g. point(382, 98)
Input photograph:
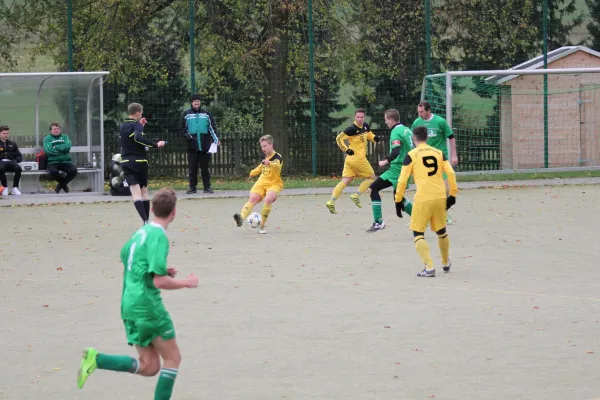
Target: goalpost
point(509, 121)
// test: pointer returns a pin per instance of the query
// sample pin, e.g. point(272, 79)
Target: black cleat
point(57, 188)
point(238, 219)
point(447, 267)
point(66, 188)
point(208, 190)
point(191, 190)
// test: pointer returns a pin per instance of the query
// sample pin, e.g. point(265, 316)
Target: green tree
point(593, 26)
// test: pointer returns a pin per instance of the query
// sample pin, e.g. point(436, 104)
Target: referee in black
point(135, 162)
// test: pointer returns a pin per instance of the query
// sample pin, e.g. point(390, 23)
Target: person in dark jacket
point(199, 129)
point(10, 157)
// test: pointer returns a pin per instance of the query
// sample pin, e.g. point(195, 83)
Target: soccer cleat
point(261, 230)
point(331, 206)
point(354, 197)
point(449, 220)
point(377, 226)
point(447, 267)
point(16, 191)
point(238, 219)
point(3, 191)
point(88, 365)
point(427, 273)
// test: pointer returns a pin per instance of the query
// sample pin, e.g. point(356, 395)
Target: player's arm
point(158, 250)
point(256, 171)
point(49, 146)
point(372, 137)
point(407, 167)
point(212, 128)
point(449, 134)
point(340, 142)
point(138, 136)
point(447, 168)
point(65, 146)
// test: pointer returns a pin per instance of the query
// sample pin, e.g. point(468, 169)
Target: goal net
point(518, 120)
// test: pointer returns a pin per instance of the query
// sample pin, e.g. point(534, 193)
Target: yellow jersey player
point(356, 164)
point(267, 187)
point(427, 165)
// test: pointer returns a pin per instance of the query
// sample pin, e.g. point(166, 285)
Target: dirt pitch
point(317, 308)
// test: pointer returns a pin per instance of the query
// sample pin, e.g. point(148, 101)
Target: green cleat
point(331, 206)
point(354, 197)
point(88, 365)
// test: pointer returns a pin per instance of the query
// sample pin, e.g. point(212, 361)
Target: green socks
point(164, 386)
point(117, 363)
point(376, 207)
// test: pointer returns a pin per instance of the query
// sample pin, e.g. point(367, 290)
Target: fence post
point(192, 47)
point(311, 63)
point(237, 151)
point(545, 51)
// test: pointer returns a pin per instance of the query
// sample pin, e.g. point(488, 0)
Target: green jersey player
point(438, 131)
point(400, 144)
point(148, 324)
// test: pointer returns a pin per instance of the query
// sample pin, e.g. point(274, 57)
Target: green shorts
point(392, 177)
point(142, 332)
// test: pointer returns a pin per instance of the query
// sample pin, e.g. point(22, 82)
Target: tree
point(563, 17)
point(594, 25)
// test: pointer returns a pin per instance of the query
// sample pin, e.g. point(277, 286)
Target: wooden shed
point(573, 110)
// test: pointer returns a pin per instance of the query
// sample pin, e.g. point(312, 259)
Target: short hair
point(134, 108)
point(56, 124)
point(163, 202)
point(195, 97)
point(392, 114)
point(359, 110)
point(4, 128)
point(425, 104)
point(420, 133)
point(266, 138)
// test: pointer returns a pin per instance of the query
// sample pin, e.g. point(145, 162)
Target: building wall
point(570, 143)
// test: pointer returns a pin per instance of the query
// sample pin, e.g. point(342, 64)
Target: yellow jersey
point(357, 137)
point(269, 174)
point(427, 165)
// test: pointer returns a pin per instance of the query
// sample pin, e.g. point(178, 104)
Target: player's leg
point(377, 185)
point(438, 225)
point(16, 168)
point(3, 181)
point(363, 170)
point(193, 170)
point(171, 355)
point(256, 195)
point(347, 177)
point(143, 181)
point(418, 223)
point(270, 198)
point(203, 162)
point(71, 172)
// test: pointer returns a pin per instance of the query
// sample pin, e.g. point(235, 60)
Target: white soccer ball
point(117, 158)
point(254, 220)
point(116, 182)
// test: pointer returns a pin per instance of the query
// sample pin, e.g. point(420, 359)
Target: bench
point(93, 177)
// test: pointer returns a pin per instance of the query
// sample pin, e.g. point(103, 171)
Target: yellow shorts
point(261, 189)
point(357, 169)
point(428, 212)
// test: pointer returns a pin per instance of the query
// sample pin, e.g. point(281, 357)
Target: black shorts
point(136, 172)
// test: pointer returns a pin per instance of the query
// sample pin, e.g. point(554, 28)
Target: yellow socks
point(337, 191)
point(444, 244)
point(246, 210)
point(364, 185)
point(423, 250)
point(265, 214)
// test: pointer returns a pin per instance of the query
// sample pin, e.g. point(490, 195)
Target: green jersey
point(400, 137)
point(438, 131)
point(144, 256)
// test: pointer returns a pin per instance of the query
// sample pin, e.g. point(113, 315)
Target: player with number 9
point(427, 165)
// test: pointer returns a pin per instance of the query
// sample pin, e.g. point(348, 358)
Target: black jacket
point(10, 151)
point(200, 131)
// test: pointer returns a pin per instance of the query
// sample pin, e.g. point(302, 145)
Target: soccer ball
point(254, 220)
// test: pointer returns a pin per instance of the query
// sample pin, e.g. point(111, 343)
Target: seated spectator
point(10, 157)
point(57, 147)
